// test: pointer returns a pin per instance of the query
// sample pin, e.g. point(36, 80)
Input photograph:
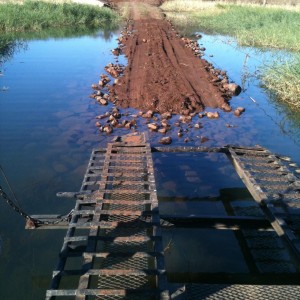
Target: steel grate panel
point(127, 282)
point(128, 177)
point(275, 267)
point(119, 185)
point(248, 211)
point(127, 297)
point(242, 292)
point(116, 206)
point(121, 164)
point(119, 218)
point(271, 255)
point(127, 196)
point(129, 246)
point(130, 231)
point(294, 222)
point(124, 263)
point(262, 239)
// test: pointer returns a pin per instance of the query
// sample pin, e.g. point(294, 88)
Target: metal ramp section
point(113, 246)
point(275, 186)
point(241, 292)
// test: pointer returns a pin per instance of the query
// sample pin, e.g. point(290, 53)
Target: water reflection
point(47, 132)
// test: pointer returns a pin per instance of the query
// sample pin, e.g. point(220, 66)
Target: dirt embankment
point(164, 72)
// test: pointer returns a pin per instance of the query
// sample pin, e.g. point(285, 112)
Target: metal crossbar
point(113, 246)
point(122, 253)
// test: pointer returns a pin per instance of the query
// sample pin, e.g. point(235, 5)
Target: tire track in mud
point(165, 72)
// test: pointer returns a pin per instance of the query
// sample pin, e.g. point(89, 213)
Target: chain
point(32, 222)
point(13, 205)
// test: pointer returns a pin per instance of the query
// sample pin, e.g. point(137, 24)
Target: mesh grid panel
point(242, 292)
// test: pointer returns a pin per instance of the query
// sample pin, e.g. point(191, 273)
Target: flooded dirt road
point(165, 72)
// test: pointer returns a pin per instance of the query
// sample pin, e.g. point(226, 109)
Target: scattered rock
point(226, 107)
point(203, 139)
point(101, 100)
point(163, 130)
point(114, 70)
point(108, 129)
point(198, 126)
point(148, 114)
point(117, 51)
point(153, 126)
point(166, 115)
point(212, 115)
point(185, 119)
point(237, 112)
point(165, 140)
point(233, 88)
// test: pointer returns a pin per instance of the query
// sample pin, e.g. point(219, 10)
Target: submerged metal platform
point(113, 247)
point(115, 229)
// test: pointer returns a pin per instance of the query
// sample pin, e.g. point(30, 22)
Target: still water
point(47, 131)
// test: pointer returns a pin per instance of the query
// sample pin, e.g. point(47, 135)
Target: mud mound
point(165, 72)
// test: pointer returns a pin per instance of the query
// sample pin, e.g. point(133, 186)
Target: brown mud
point(165, 72)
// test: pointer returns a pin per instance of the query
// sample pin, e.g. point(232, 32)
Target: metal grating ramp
point(113, 247)
point(273, 184)
point(241, 292)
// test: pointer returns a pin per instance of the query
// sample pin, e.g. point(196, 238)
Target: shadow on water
point(47, 132)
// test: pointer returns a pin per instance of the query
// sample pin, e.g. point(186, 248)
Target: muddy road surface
point(165, 72)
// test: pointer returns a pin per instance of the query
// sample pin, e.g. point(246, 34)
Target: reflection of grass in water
point(38, 15)
point(13, 42)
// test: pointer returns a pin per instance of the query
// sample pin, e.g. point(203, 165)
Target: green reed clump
point(284, 80)
point(37, 15)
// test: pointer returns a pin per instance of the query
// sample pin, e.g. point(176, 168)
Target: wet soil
point(165, 72)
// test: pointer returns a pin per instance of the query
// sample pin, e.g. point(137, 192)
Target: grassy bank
point(38, 15)
point(267, 27)
point(251, 25)
point(284, 80)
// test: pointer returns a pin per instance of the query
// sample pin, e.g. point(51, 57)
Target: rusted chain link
point(32, 222)
point(17, 209)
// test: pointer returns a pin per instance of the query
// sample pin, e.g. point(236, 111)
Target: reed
point(283, 79)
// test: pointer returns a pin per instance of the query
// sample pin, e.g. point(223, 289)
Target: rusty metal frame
point(252, 164)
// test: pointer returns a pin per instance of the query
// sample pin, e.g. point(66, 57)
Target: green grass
point(283, 79)
point(251, 25)
point(264, 27)
point(39, 15)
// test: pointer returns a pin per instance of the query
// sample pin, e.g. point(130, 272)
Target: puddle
point(47, 132)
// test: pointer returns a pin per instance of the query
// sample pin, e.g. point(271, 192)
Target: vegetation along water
point(251, 25)
point(17, 18)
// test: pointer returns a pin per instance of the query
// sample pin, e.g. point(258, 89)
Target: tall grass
point(252, 26)
point(38, 15)
point(267, 27)
point(283, 79)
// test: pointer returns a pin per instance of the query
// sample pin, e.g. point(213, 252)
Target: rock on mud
point(237, 112)
point(233, 88)
point(165, 140)
point(213, 115)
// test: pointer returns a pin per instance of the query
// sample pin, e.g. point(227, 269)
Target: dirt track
point(164, 72)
